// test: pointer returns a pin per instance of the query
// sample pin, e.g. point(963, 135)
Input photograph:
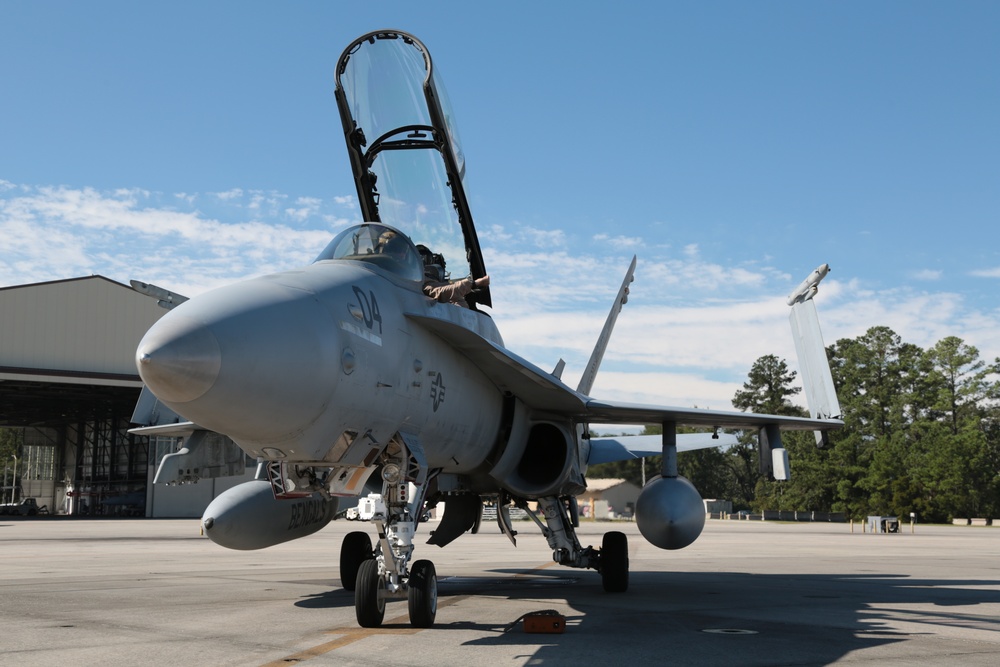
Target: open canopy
point(405, 151)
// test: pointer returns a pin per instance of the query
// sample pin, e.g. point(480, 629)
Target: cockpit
point(379, 245)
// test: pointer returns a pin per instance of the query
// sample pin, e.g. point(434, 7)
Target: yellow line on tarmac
point(353, 634)
point(543, 566)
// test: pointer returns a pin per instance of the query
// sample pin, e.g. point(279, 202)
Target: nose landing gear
point(385, 572)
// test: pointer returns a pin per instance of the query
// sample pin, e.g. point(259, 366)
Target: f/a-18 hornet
point(346, 379)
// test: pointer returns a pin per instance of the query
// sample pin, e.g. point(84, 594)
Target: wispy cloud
point(545, 239)
point(620, 242)
point(986, 273)
point(691, 330)
point(235, 193)
point(688, 336)
point(57, 232)
point(928, 275)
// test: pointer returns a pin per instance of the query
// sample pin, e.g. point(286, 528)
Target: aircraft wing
point(545, 392)
point(607, 412)
point(510, 372)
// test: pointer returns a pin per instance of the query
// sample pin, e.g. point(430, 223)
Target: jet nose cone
point(178, 359)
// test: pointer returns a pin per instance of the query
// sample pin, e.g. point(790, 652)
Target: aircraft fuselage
point(321, 365)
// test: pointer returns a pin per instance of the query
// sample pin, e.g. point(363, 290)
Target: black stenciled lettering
point(376, 315)
point(370, 312)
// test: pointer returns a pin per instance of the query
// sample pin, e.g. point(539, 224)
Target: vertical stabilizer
point(590, 373)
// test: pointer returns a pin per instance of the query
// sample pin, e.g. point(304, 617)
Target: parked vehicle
point(27, 507)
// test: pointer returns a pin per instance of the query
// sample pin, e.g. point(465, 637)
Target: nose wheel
point(422, 594)
point(372, 589)
point(369, 595)
point(355, 550)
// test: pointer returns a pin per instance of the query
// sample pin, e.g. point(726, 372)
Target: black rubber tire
point(369, 605)
point(478, 522)
point(354, 550)
point(614, 562)
point(422, 594)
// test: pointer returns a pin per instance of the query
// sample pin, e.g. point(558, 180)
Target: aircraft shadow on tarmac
point(716, 618)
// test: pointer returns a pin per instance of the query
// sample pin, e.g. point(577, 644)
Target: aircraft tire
point(422, 595)
point(479, 520)
point(369, 605)
point(354, 550)
point(614, 562)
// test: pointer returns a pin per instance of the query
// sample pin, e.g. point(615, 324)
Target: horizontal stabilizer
point(203, 454)
point(164, 298)
point(177, 430)
point(149, 411)
point(626, 447)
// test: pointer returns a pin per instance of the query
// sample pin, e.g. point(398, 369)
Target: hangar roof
point(69, 345)
point(77, 330)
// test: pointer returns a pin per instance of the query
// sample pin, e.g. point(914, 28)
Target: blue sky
point(732, 146)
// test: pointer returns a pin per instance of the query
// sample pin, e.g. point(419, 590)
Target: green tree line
point(921, 435)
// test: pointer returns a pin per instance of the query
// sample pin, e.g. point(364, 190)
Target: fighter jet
point(376, 373)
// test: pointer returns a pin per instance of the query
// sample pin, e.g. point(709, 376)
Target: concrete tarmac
point(153, 592)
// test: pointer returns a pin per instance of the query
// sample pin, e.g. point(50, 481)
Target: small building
point(720, 507)
point(609, 499)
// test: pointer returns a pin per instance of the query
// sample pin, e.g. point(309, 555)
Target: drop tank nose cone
point(179, 359)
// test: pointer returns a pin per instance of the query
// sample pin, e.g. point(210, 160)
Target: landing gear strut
point(386, 573)
point(560, 530)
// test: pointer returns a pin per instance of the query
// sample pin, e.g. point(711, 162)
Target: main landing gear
point(559, 529)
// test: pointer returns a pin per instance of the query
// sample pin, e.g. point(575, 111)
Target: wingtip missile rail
point(808, 288)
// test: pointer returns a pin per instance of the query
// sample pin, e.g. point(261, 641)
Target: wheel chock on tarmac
point(541, 622)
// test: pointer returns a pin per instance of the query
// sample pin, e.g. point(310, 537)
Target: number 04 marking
point(369, 309)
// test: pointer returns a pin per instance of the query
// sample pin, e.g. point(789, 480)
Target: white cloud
point(235, 193)
point(986, 273)
point(688, 336)
point(542, 238)
point(691, 330)
point(57, 232)
point(495, 234)
point(682, 390)
point(620, 242)
point(307, 207)
point(926, 275)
